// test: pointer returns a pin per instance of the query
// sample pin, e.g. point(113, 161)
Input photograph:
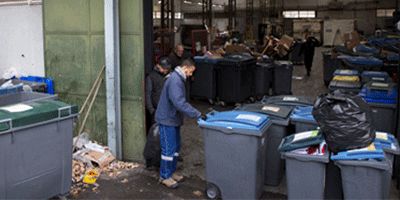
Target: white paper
point(249, 117)
point(17, 108)
point(308, 134)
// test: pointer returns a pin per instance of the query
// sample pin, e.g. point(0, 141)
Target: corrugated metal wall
point(74, 56)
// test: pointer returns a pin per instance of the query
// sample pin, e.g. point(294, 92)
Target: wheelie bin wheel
point(212, 191)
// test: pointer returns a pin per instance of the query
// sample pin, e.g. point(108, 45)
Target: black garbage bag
point(152, 148)
point(345, 119)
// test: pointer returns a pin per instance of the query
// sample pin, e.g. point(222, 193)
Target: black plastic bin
point(280, 116)
point(263, 81)
point(295, 55)
point(236, 82)
point(330, 66)
point(283, 72)
point(204, 84)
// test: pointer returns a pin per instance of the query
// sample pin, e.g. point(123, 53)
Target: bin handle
point(9, 121)
point(62, 109)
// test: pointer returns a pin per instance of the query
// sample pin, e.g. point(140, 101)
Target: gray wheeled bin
point(381, 97)
point(24, 97)
point(305, 175)
point(288, 100)
point(283, 72)
point(280, 116)
point(235, 149)
point(303, 119)
point(204, 84)
point(365, 179)
point(36, 149)
point(330, 66)
point(263, 77)
point(236, 82)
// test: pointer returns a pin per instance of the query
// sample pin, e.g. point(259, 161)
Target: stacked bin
point(381, 97)
point(283, 71)
point(280, 116)
point(375, 76)
point(330, 66)
point(263, 81)
point(204, 84)
point(235, 80)
point(363, 63)
point(36, 149)
point(305, 174)
point(235, 150)
point(303, 119)
point(346, 80)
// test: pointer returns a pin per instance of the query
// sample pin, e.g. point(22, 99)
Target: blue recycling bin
point(363, 63)
point(303, 119)
point(235, 149)
point(382, 98)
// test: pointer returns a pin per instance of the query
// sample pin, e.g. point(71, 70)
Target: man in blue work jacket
point(169, 114)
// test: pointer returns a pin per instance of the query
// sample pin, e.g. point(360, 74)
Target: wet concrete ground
point(143, 183)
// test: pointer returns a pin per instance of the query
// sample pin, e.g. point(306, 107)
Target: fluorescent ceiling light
point(200, 3)
point(188, 2)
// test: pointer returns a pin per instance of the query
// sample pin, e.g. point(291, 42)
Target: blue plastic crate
point(346, 72)
point(50, 88)
point(10, 89)
point(366, 49)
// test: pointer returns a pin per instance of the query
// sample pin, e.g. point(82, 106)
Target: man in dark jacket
point(309, 48)
point(171, 110)
point(154, 85)
point(176, 56)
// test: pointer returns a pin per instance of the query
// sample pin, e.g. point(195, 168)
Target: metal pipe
point(19, 3)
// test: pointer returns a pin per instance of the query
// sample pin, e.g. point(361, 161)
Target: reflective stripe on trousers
point(170, 139)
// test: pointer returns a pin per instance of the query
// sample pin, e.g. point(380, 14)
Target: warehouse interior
point(96, 54)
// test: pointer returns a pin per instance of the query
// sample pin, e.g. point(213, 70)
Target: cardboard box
point(220, 51)
point(286, 40)
point(102, 159)
point(351, 39)
point(236, 48)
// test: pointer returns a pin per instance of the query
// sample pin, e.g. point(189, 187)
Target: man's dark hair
point(188, 63)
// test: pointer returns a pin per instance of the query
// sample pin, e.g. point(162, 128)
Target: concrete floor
point(143, 182)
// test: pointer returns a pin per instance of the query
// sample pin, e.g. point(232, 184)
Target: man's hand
point(203, 116)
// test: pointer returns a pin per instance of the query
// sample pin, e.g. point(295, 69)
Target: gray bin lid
point(290, 100)
point(240, 122)
point(278, 113)
point(381, 165)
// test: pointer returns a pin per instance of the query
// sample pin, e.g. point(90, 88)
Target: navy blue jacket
point(172, 105)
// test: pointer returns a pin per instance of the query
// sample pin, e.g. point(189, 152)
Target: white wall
point(21, 33)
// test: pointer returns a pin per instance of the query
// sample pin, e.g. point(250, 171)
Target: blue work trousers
point(170, 138)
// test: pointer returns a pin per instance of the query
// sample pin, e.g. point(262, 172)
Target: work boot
point(171, 183)
point(180, 159)
point(308, 72)
point(178, 178)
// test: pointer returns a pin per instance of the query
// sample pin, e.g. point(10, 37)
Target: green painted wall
point(74, 56)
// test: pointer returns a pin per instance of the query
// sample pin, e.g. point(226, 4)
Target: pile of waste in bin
point(90, 160)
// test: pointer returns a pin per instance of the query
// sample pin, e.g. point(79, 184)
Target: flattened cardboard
point(102, 159)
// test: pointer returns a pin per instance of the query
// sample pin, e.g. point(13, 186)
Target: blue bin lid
point(364, 60)
point(371, 152)
point(374, 74)
point(303, 113)
point(236, 120)
point(379, 92)
point(387, 142)
point(346, 72)
point(199, 59)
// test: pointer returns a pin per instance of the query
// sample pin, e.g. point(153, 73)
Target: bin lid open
point(236, 120)
point(33, 112)
point(276, 111)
